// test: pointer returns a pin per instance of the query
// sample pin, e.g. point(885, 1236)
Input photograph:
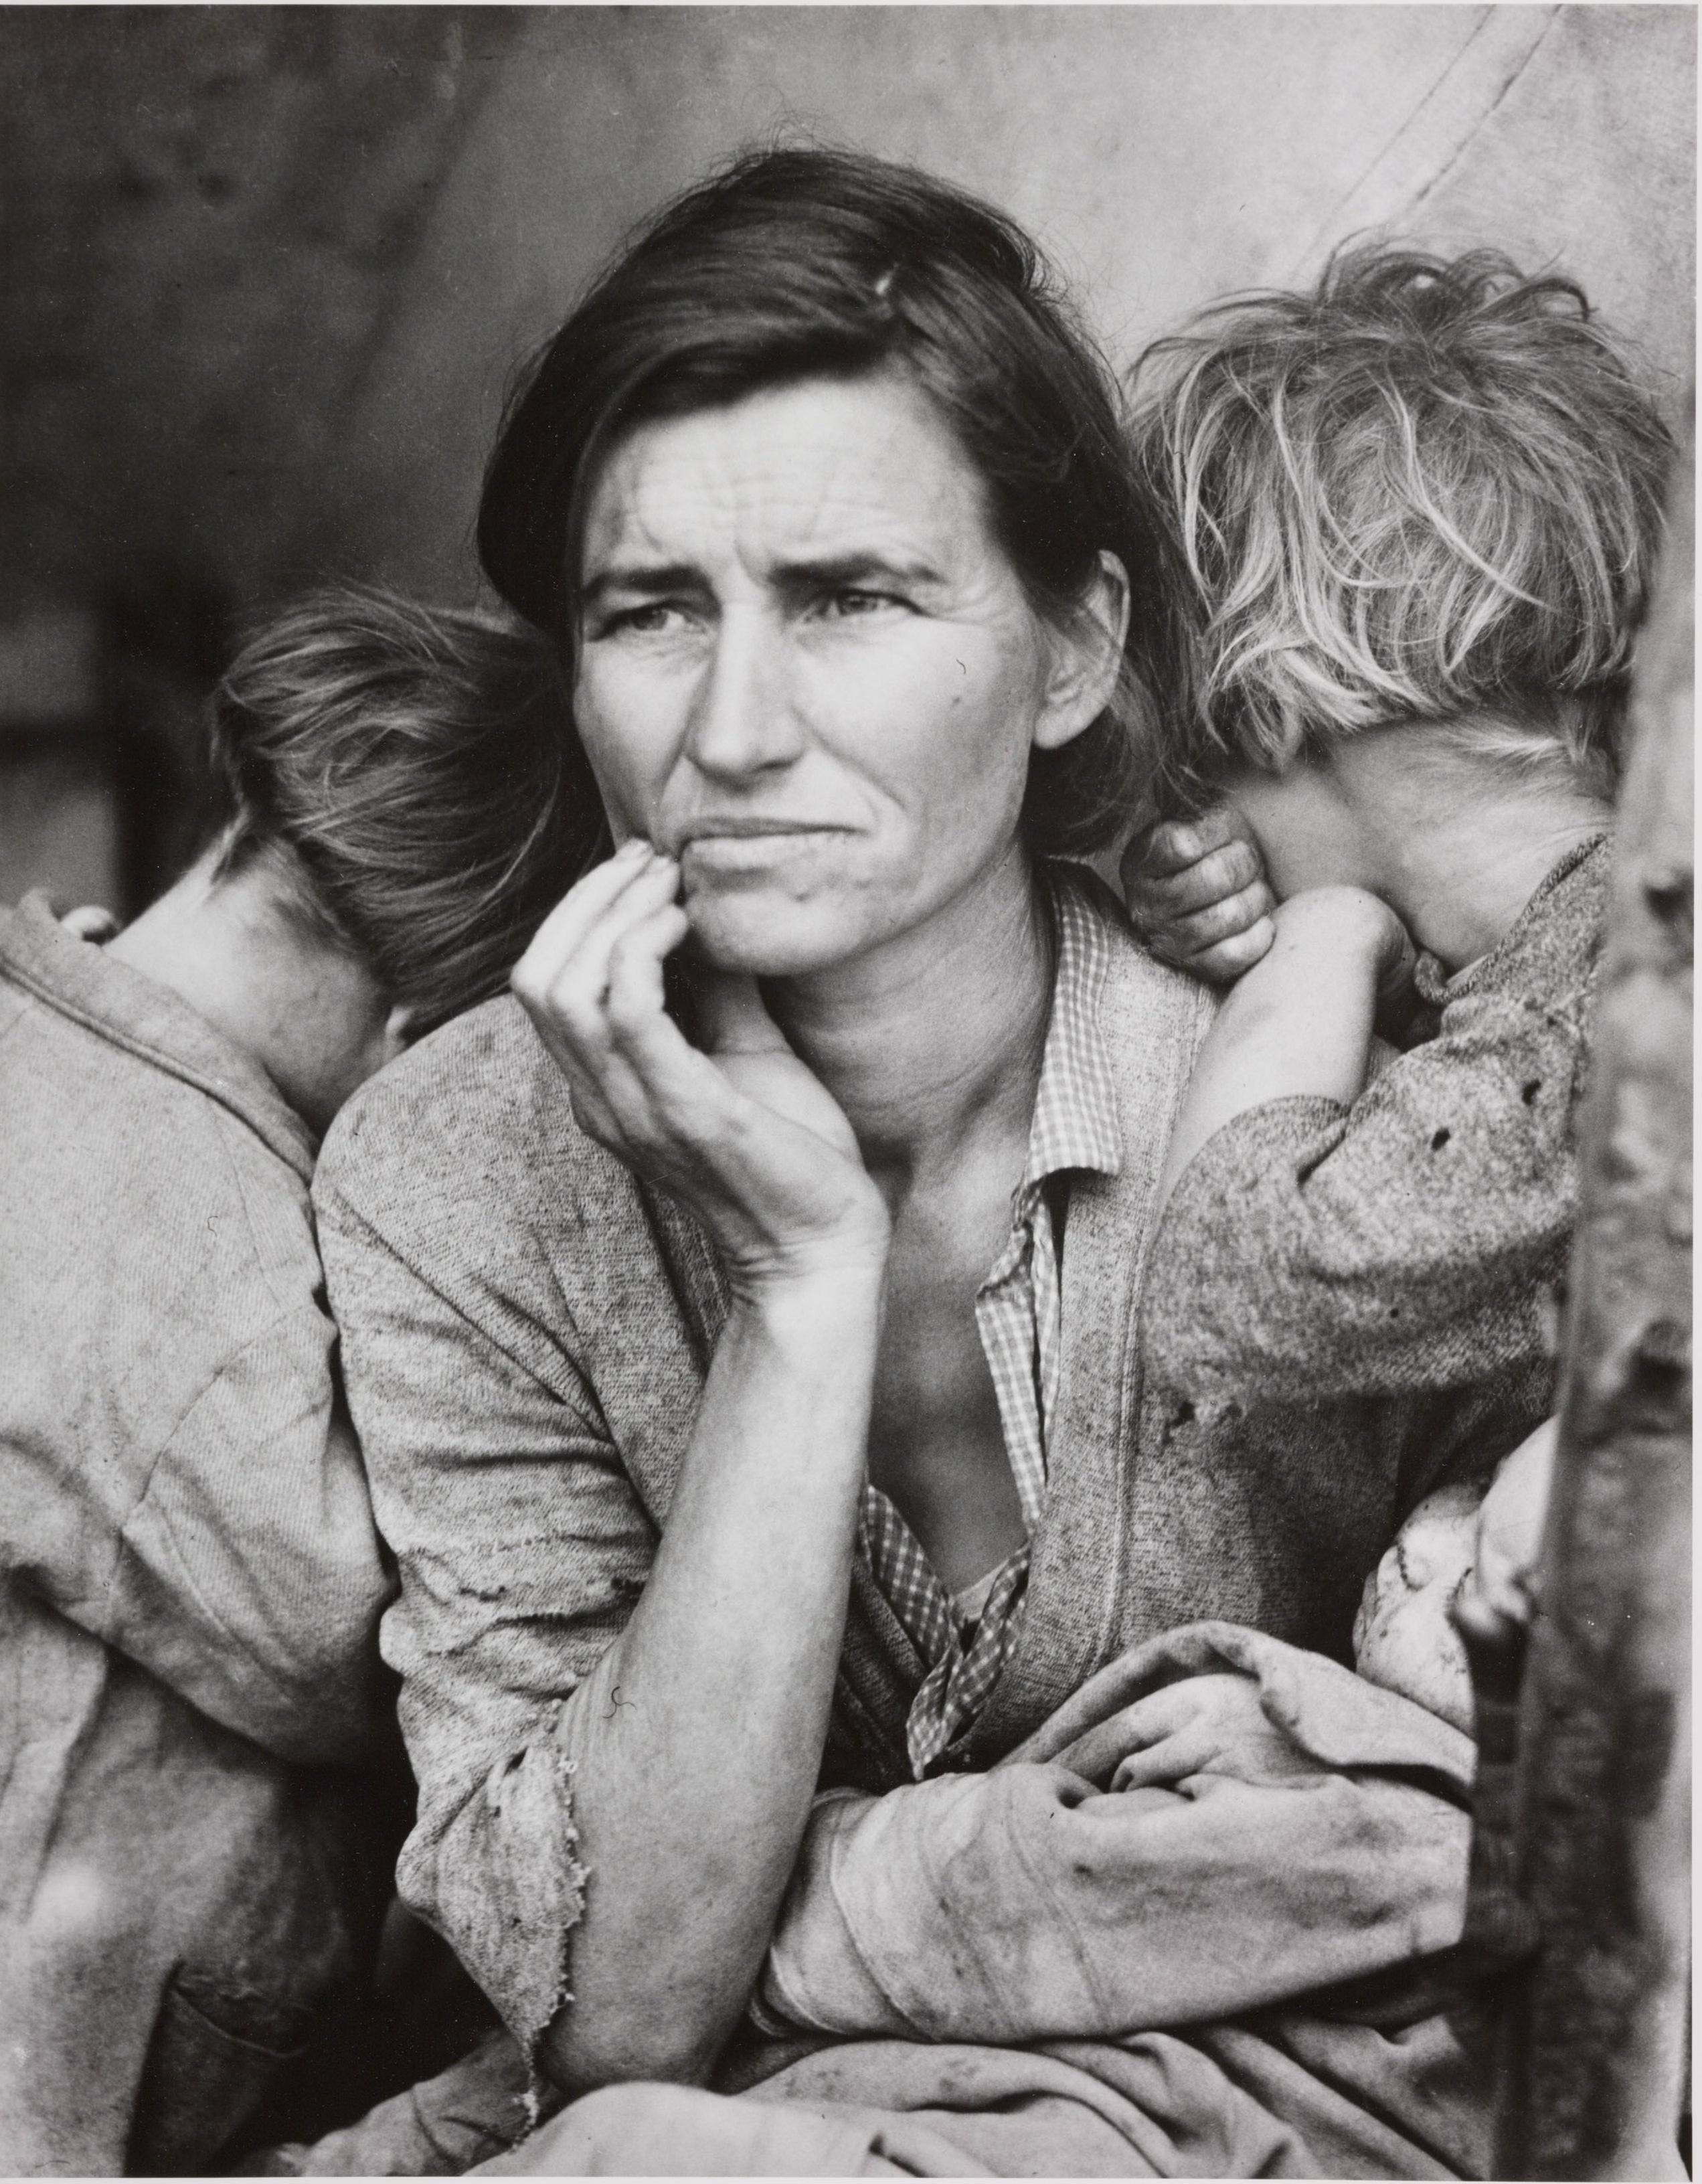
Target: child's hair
point(1427, 488)
point(420, 768)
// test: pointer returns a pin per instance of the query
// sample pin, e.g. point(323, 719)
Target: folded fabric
point(1017, 1974)
point(1019, 1905)
point(478, 2107)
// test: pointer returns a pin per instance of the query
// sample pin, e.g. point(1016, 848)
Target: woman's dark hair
point(419, 769)
point(796, 263)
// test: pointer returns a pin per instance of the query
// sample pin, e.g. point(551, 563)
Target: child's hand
point(1211, 1724)
point(1197, 895)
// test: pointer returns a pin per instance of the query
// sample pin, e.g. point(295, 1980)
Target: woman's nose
point(743, 717)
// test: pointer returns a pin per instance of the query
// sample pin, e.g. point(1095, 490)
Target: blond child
point(1413, 515)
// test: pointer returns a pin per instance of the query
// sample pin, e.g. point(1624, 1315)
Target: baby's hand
point(1500, 1595)
point(1211, 1724)
point(1197, 895)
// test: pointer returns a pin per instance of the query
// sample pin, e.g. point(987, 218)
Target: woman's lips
point(747, 848)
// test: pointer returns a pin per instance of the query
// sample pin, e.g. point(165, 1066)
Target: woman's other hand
point(743, 1133)
point(1198, 897)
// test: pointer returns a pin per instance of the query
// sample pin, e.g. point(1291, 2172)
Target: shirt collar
point(1076, 1123)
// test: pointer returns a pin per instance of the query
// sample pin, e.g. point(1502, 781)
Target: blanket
point(1240, 1964)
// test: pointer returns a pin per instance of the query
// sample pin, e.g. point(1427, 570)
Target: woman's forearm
point(698, 1744)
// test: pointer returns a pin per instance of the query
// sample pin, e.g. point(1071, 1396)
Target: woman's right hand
point(742, 1132)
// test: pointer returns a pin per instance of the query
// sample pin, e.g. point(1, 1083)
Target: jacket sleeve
point(522, 1546)
point(205, 1513)
point(1022, 1904)
point(249, 1574)
point(1408, 1245)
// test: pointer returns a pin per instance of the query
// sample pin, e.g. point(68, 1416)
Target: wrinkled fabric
point(479, 2107)
point(1023, 1905)
point(675, 2131)
point(1413, 1243)
point(526, 1333)
point(190, 1583)
point(1248, 1981)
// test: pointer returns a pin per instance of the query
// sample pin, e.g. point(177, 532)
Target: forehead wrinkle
point(787, 487)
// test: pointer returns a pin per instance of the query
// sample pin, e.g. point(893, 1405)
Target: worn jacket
point(1411, 1246)
point(526, 1330)
point(190, 1581)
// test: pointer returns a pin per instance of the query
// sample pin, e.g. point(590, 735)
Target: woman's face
point(807, 670)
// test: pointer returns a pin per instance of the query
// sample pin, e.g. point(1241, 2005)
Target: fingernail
point(633, 850)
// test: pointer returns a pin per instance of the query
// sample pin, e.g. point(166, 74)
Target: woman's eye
point(655, 618)
point(853, 603)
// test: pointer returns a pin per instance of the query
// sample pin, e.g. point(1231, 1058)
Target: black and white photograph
point(846, 869)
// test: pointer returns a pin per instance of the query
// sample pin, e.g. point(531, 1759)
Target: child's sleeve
point(1409, 1244)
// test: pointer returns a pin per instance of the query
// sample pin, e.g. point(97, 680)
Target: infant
point(1488, 1531)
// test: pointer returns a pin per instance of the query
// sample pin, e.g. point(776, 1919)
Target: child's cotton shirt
point(1412, 1245)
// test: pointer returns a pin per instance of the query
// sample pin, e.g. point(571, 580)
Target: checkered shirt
point(1017, 1309)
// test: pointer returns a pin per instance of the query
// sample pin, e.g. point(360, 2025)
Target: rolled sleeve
point(1021, 1905)
point(522, 1546)
point(1410, 1243)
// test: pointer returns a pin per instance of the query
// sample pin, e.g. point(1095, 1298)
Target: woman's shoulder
point(1147, 1012)
point(475, 1122)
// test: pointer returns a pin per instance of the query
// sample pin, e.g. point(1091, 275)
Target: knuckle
point(1241, 862)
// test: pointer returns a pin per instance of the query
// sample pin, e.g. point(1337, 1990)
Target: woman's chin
point(769, 939)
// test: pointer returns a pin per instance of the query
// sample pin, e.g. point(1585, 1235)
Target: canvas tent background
point(268, 270)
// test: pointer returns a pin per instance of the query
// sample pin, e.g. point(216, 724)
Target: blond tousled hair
point(1427, 488)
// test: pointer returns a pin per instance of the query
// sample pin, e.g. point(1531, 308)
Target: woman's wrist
point(829, 1287)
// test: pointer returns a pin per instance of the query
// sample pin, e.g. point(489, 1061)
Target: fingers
point(1198, 895)
point(1225, 918)
point(1174, 844)
point(1172, 1759)
point(1219, 876)
point(591, 983)
point(563, 977)
point(565, 930)
point(1148, 1721)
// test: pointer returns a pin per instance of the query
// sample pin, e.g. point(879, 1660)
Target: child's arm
point(1404, 1241)
point(1298, 1024)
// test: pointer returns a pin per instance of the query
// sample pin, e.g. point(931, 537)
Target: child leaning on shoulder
point(1413, 515)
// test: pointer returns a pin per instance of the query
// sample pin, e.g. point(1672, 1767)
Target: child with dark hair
point(1412, 515)
point(200, 1787)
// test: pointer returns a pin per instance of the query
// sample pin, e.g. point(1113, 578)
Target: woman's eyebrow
point(816, 571)
point(640, 576)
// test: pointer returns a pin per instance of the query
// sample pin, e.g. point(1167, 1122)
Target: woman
point(758, 1409)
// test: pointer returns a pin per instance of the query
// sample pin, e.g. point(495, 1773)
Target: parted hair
point(1428, 488)
point(799, 263)
point(419, 768)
